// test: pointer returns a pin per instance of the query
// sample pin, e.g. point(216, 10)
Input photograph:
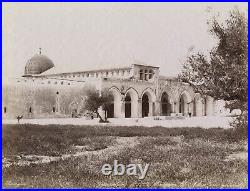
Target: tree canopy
point(95, 99)
point(224, 73)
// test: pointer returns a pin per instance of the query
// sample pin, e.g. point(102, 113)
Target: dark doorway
point(182, 105)
point(165, 105)
point(110, 110)
point(127, 106)
point(145, 106)
point(194, 108)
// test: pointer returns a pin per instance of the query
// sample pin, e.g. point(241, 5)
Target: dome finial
point(40, 50)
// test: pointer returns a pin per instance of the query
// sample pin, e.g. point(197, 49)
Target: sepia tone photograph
point(125, 95)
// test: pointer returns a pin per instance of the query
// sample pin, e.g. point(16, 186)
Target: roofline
point(80, 72)
point(146, 65)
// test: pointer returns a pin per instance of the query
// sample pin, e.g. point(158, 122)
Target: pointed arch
point(114, 109)
point(131, 103)
point(184, 102)
point(150, 93)
point(148, 99)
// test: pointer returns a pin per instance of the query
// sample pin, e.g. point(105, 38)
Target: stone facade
point(138, 91)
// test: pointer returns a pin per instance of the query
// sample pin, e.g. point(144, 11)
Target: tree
point(95, 99)
point(223, 74)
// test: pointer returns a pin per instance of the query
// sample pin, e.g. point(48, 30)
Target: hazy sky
point(80, 36)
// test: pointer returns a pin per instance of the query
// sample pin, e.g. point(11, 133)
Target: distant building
point(138, 91)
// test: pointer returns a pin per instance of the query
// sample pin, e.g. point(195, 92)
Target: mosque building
point(138, 91)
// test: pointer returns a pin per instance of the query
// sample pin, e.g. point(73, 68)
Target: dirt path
point(204, 121)
point(26, 160)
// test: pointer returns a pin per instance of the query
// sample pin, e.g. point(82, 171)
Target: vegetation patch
point(178, 157)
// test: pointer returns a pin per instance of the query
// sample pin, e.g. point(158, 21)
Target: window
point(141, 74)
point(151, 73)
point(54, 109)
point(30, 110)
point(55, 82)
point(61, 83)
point(5, 109)
point(57, 93)
point(48, 82)
point(87, 74)
point(146, 75)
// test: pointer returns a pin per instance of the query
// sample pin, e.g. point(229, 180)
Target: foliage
point(178, 157)
point(222, 75)
point(56, 139)
point(95, 99)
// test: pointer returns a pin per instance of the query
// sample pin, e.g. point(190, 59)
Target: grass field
point(178, 157)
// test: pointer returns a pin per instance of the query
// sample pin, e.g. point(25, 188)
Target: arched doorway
point(116, 105)
point(127, 106)
point(182, 105)
point(131, 103)
point(145, 105)
point(165, 105)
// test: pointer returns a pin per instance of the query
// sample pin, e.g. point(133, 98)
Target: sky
point(84, 36)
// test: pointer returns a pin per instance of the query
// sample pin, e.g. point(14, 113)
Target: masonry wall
point(40, 100)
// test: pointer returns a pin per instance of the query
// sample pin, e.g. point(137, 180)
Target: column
point(198, 107)
point(150, 112)
point(191, 108)
point(209, 106)
point(177, 107)
point(172, 109)
point(117, 108)
point(139, 107)
point(157, 108)
point(122, 108)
